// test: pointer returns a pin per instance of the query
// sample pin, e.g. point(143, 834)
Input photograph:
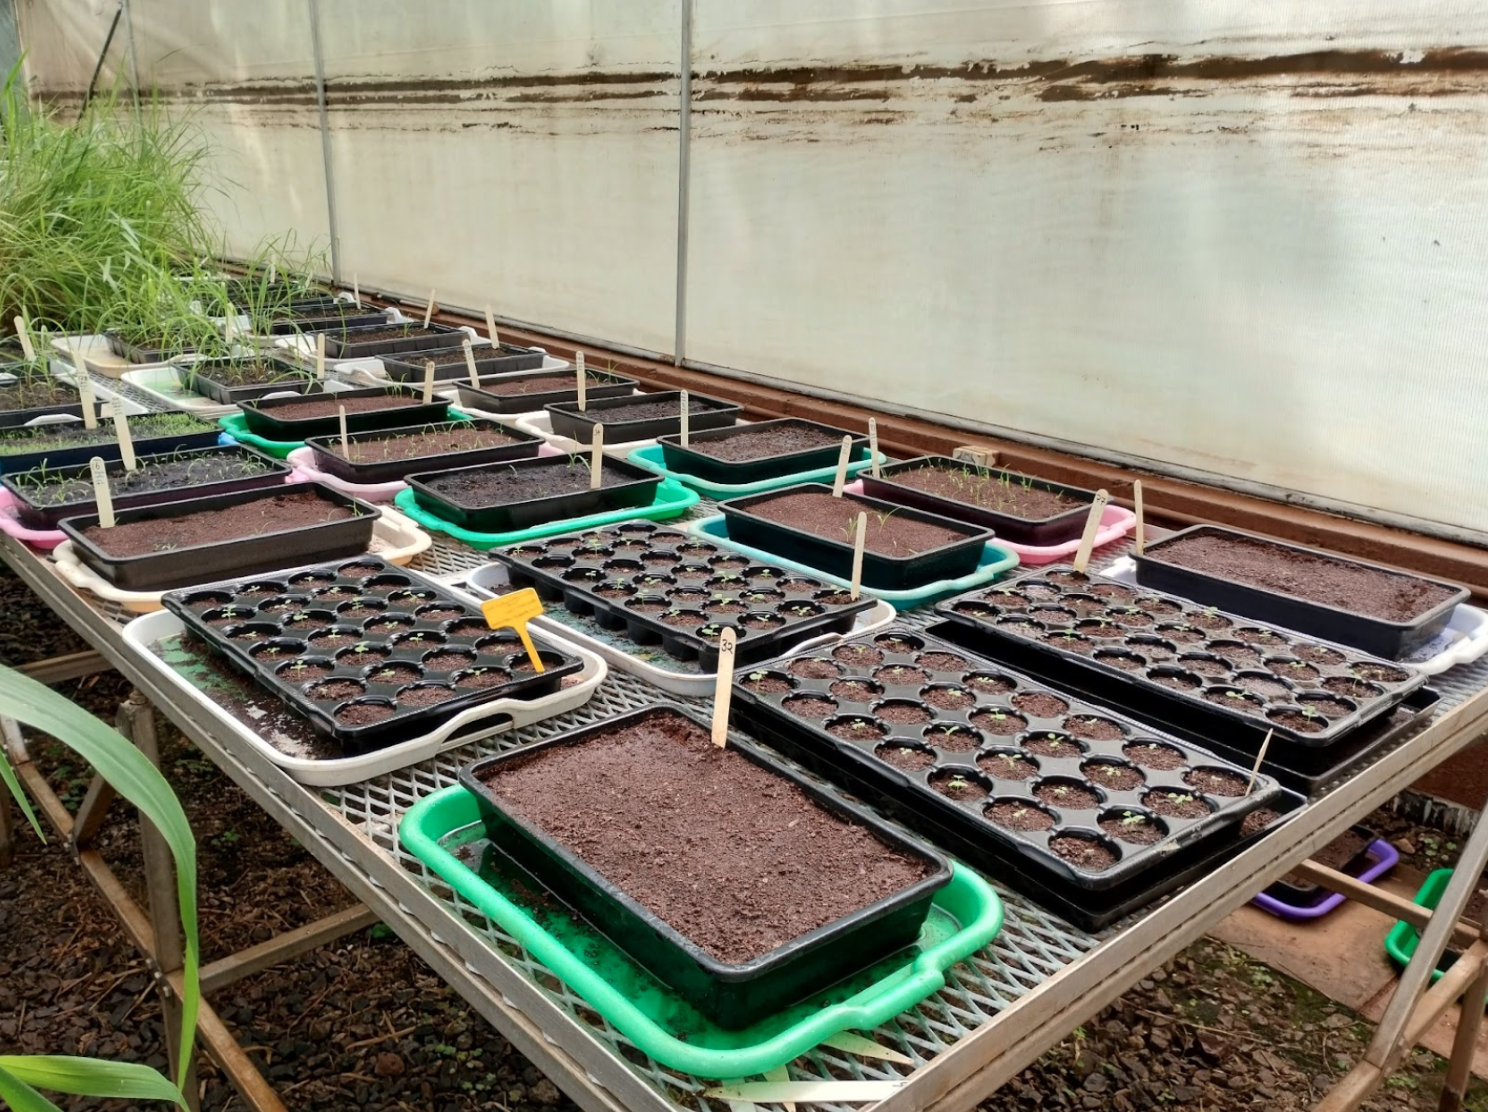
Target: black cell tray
point(15, 462)
point(46, 516)
point(410, 367)
point(1033, 617)
point(682, 573)
point(974, 754)
point(259, 414)
point(732, 995)
point(639, 490)
point(1055, 529)
point(387, 471)
point(606, 386)
point(197, 376)
point(278, 639)
point(576, 424)
point(1377, 636)
point(834, 557)
point(690, 461)
point(343, 343)
point(155, 571)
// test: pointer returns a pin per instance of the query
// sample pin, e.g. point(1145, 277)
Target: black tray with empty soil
point(155, 548)
point(1383, 611)
point(237, 380)
point(763, 450)
point(377, 407)
point(36, 394)
point(640, 416)
point(1017, 774)
point(367, 652)
point(390, 455)
point(45, 496)
point(664, 587)
point(529, 391)
point(390, 339)
point(902, 549)
point(449, 363)
point(738, 882)
point(1018, 507)
point(1218, 675)
point(504, 497)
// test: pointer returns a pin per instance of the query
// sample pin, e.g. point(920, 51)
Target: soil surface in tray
point(643, 410)
point(748, 444)
point(1350, 587)
point(442, 356)
point(33, 395)
point(655, 808)
point(151, 475)
point(396, 332)
point(251, 374)
point(269, 515)
point(502, 486)
point(1335, 855)
point(821, 515)
point(540, 384)
point(987, 491)
point(327, 407)
point(79, 435)
point(414, 445)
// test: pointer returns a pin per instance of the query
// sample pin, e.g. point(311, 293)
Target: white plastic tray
point(394, 537)
point(538, 424)
point(490, 581)
point(477, 722)
point(1464, 640)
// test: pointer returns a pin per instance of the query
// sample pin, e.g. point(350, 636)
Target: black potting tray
point(14, 418)
point(47, 515)
point(638, 490)
point(1307, 894)
point(174, 567)
point(410, 367)
point(734, 995)
point(640, 562)
point(1055, 529)
point(834, 557)
point(1379, 636)
point(327, 458)
point(198, 376)
point(690, 461)
point(322, 318)
point(578, 424)
point(266, 626)
point(598, 385)
point(259, 414)
point(202, 436)
point(345, 343)
point(1081, 629)
point(139, 353)
point(1003, 741)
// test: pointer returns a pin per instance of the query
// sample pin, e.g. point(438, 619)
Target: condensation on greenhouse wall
point(1233, 238)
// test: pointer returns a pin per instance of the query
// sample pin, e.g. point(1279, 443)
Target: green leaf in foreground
point(88, 1077)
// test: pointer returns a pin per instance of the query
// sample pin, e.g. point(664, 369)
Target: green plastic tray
point(1401, 942)
point(237, 428)
point(650, 457)
point(996, 561)
point(444, 830)
point(672, 500)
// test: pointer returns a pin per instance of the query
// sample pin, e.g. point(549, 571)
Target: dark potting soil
point(1335, 855)
point(949, 698)
point(1151, 754)
point(1040, 704)
point(269, 515)
point(1257, 821)
point(857, 729)
point(902, 714)
point(959, 788)
point(337, 689)
point(499, 485)
point(412, 445)
point(1127, 662)
point(363, 714)
point(1383, 673)
point(821, 515)
point(810, 668)
point(34, 395)
point(396, 332)
point(1114, 777)
point(998, 723)
point(1348, 687)
point(988, 491)
point(748, 443)
point(1263, 686)
point(1068, 794)
point(444, 356)
point(1215, 781)
point(47, 437)
point(1176, 805)
point(1231, 697)
point(396, 673)
point(1178, 681)
point(1007, 766)
point(729, 879)
point(906, 757)
point(426, 695)
point(1298, 722)
point(901, 674)
point(483, 677)
point(252, 373)
point(1132, 827)
point(643, 410)
point(856, 691)
point(1083, 853)
point(767, 684)
point(1238, 654)
point(1204, 665)
point(328, 407)
point(164, 473)
point(1318, 578)
point(857, 655)
point(302, 672)
point(1093, 727)
point(538, 384)
point(1299, 671)
point(1319, 654)
point(954, 739)
point(989, 684)
point(1019, 816)
point(810, 706)
point(943, 662)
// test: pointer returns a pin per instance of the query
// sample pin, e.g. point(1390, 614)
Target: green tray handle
point(968, 898)
point(236, 427)
point(1401, 942)
point(650, 457)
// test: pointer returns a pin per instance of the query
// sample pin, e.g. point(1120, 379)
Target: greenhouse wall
point(1235, 239)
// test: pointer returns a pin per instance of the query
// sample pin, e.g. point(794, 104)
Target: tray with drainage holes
point(1021, 774)
point(367, 652)
point(665, 587)
point(1214, 673)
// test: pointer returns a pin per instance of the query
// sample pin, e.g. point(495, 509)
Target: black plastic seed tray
point(1217, 674)
point(1060, 788)
point(649, 580)
point(354, 343)
point(1380, 636)
point(440, 492)
point(328, 457)
point(140, 353)
point(260, 413)
point(368, 652)
point(326, 318)
point(578, 424)
point(199, 376)
point(598, 385)
point(14, 418)
point(695, 460)
point(409, 367)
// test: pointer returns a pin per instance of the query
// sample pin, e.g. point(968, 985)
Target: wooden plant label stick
point(1255, 769)
point(596, 457)
point(320, 355)
point(516, 610)
point(126, 442)
point(857, 573)
point(271, 274)
point(1137, 503)
point(470, 364)
point(428, 381)
point(84, 387)
point(491, 327)
point(345, 444)
point(1092, 526)
point(356, 292)
point(723, 686)
point(101, 493)
point(841, 479)
point(429, 309)
point(873, 445)
point(582, 380)
point(25, 334)
point(686, 407)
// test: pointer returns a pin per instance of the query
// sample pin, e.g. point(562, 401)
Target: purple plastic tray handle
point(1383, 857)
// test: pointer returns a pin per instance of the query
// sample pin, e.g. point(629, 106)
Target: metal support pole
point(325, 140)
point(684, 174)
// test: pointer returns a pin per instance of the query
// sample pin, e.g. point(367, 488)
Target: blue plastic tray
point(650, 457)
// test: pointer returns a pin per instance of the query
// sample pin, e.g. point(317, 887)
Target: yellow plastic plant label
point(516, 610)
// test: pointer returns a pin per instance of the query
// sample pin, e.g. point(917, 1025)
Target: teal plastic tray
point(672, 500)
point(650, 457)
point(996, 561)
point(237, 428)
point(445, 832)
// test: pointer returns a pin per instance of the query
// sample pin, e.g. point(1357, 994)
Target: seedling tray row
point(409, 366)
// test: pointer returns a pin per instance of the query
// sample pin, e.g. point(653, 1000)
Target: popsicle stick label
point(840, 480)
point(429, 309)
point(356, 292)
point(1141, 537)
point(345, 444)
point(686, 415)
point(1255, 769)
point(723, 686)
point(596, 457)
point(1092, 526)
point(582, 381)
point(470, 364)
point(101, 493)
point(491, 327)
point(873, 445)
point(859, 537)
point(126, 441)
point(84, 387)
point(320, 355)
point(25, 334)
point(515, 610)
point(428, 381)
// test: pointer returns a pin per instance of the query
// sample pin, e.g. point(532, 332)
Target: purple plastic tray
point(1383, 857)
